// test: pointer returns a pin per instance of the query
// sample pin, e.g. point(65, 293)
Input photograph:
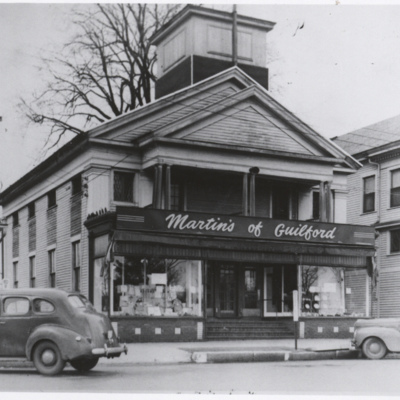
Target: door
point(252, 292)
point(226, 291)
point(279, 283)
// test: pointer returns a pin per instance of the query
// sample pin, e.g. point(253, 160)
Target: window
point(76, 266)
point(15, 273)
point(52, 268)
point(42, 306)
point(16, 306)
point(394, 241)
point(15, 219)
point(177, 199)
point(51, 199)
point(369, 194)
point(76, 185)
point(123, 186)
point(315, 205)
point(31, 210)
point(395, 188)
point(32, 271)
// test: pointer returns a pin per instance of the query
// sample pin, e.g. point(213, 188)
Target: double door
point(237, 290)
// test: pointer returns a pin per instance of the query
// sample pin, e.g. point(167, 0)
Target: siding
point(76, 214)
point(32, 234)
point(357, 281)
point(42, 267)
point(15, 241)
point(52, 225)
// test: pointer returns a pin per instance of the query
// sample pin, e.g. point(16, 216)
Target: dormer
point(198, 43)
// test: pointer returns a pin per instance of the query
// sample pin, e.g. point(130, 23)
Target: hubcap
point(48, 357)
point(374, 348)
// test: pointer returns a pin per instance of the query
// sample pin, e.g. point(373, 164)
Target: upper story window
point(32, 271)
point(76, 266)
point(395, 188)
point(123, 186)
point(394, 241)
point(369, 194)
point(51, 199)
point(76, 185)
point(52, 268)
point(31, 210)
point(15, 219)
point(15, 274)
point(177, 197)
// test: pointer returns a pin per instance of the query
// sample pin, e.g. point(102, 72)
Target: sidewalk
point(223, 352)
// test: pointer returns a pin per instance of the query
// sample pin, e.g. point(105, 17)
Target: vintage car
point(377, 337)
point(51, 327)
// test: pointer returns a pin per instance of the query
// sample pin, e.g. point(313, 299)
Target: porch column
point(245, 194)
point(157, 186)
point(252, 195)
point(167, 187)
point(322, 202)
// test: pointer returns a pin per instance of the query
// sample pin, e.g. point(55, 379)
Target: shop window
point(322, 291)
point(394, 241)
point(369, 194)
point(395, 188)
point(52, 268)
point(76, 266)
point(155, 287)
point(32, 272)
point(123, 186)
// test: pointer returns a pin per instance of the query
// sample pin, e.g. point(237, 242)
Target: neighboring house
point(199, 214)
point(374, 199)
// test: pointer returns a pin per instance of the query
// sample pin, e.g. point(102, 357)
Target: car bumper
point(110, 351)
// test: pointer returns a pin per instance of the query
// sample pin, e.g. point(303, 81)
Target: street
point(333, 377)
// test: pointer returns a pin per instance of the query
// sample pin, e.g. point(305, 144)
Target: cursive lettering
point(305, 231)
point(181, 222)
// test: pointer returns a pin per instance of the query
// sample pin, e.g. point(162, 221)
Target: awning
point(132, 243)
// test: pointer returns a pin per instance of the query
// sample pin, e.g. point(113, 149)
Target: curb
point(267, 356)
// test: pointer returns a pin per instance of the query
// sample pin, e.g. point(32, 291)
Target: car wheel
point(47, 358)
point(85, 364)
point(374, 349)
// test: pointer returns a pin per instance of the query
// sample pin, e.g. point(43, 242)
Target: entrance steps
point(242, 329)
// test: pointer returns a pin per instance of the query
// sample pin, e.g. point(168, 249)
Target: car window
point(76, 301)
point(16, 306)
point(42, 306)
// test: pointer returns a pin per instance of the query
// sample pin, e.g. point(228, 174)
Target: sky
point(338, 73)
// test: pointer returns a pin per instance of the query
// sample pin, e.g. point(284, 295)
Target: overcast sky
point(338, 73)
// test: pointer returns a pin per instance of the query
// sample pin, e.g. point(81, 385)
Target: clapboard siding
point(388, 213)
point(356, 280)
point(42, 264)
point(215, 195)
point(389, 302)
point(84, 250)
point(177, 111)
point(64, 249)
point(249, 128)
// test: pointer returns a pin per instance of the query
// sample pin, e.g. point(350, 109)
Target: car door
point(15, 318)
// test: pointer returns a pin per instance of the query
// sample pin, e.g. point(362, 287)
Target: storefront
point(156, 265)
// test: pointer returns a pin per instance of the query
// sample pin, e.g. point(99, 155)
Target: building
point(374, 200)
point(197, 216)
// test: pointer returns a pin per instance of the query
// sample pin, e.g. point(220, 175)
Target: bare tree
point(105, 70)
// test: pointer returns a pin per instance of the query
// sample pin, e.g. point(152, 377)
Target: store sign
point(242, 227)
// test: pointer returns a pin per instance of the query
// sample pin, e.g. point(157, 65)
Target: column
point(167, 187)
point(245, 195)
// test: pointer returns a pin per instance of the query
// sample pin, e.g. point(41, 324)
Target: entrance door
point(251, 292)
point(227, 291)
point(279, 283)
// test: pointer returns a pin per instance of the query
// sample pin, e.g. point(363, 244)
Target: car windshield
point(76, 301)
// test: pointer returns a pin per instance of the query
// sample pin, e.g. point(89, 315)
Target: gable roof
point(223, 95)
point(372, 137)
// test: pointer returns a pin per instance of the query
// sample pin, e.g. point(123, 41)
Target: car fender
point(390, 336)
point(70, 343)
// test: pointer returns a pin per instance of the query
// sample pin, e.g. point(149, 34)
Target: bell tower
point(200, 42)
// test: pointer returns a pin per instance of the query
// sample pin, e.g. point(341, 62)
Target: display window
point(322, 291)
point(141, 286)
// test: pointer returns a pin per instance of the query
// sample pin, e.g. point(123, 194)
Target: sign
point(138, 219)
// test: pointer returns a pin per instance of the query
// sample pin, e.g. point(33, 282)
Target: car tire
point(47, 358)
point(374, 348)
point(84, 364)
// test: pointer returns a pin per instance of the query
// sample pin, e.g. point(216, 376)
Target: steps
point(242, 329)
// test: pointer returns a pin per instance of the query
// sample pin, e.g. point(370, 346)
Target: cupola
point(200, 42)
